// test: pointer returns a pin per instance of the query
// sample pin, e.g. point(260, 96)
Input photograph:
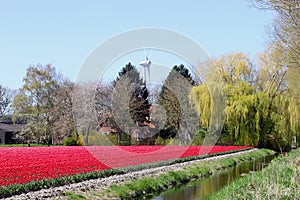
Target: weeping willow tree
point(237, 73)
point(294, 111)
point(209, 100)
point(200, 96)
point(294, 107)
point(260, 108)
point(240, 114)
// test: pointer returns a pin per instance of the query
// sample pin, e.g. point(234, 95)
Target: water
point(207, 186)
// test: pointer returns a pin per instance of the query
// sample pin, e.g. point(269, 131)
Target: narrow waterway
point(202, 188)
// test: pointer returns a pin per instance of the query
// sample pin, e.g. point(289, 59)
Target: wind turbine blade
point(145, 53)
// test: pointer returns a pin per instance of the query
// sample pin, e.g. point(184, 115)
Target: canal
point(196, 190)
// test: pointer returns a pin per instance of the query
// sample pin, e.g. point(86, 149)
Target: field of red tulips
point(24, 164)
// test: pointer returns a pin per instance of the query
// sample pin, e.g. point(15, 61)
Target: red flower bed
point(24, 164)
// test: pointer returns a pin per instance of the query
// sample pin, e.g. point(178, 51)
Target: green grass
point(149, 186)
point(72, 196)
point(280, 180)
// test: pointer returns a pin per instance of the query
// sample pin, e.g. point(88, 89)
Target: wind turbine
point(146, 65)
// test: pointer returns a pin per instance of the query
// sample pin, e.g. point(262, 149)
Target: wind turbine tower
point(146, 65)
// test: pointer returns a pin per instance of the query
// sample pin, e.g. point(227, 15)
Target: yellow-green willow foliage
point(200, 97)
point(277, 120)
point(260, 109)
point(238, 74)
point(240, 114)
point(294, 113)
point(294, 107)
point(234, 68)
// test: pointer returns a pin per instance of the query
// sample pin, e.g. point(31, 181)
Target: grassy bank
point(150, 186)
point(280, 180)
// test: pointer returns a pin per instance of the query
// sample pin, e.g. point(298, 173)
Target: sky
point(65, 32)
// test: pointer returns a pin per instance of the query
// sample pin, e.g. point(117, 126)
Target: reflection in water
point(207, 186)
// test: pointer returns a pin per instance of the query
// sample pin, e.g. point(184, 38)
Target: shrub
point(98, 139)
point(160, 141)
point(199, 137)
point(113, 138)
point(73, 140)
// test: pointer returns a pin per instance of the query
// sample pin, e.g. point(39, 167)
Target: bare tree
point(286, 26)
point(62, 114)
point(6, 98)
point(84, 108)
point(103, 102)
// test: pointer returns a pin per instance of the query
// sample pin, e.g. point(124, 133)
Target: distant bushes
point(73, 140)
point(199, 137)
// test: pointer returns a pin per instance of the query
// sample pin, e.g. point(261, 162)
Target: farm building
point(7, 131)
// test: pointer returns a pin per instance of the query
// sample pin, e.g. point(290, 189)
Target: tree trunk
point(87, 136)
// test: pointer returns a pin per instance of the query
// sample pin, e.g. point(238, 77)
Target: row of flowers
point(20, 165)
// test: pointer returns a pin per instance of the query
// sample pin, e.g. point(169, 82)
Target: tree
point(130, 103)
point(139, 105)
point(103, 102)
point(260, 110)
point(84, 109)
point(239, 78)
point(200, 96)
point(286, 36)
point(174, 98)
point(62, 112)
point(281, 121)
point(286, 26)
point(6, 98)
point(35, 102)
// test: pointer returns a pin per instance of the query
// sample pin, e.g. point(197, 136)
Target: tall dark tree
point(139, 105)
point(174, 99)
point(130, 73)
point(129, 101)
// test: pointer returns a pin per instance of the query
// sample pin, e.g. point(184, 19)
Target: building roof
point(11, 127)
point(107, 130)
point(7, 119)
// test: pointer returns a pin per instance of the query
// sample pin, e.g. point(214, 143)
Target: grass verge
point(72, 196)
point(150, 186)
point(280, 180)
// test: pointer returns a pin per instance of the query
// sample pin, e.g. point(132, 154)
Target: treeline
point(55, 110)
point(260, 108)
